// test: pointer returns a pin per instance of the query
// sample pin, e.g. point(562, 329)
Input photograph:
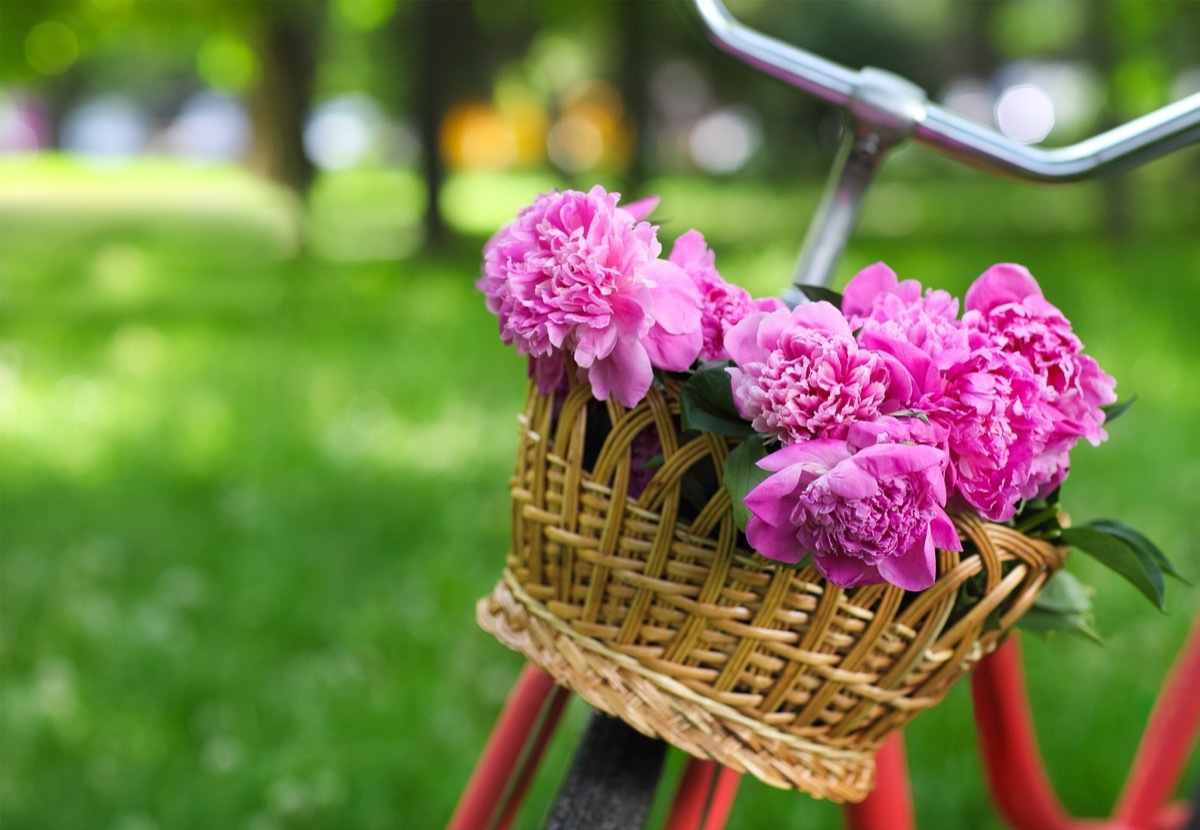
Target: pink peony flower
point(866, 515)
point(1006, 308)
point(876, 301)
point(576, 275)
point(721, 305)
point(991, 405)
point(801, 375)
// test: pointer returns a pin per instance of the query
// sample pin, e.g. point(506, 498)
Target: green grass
point(248, 503)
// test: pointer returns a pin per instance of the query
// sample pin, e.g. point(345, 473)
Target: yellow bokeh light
point(479, 137)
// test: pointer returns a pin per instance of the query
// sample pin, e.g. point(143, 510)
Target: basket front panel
point(636, 562)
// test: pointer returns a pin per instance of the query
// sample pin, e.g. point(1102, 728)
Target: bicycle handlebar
point(887, 101)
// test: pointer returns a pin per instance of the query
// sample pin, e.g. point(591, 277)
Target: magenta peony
point(721, 305)
point(1005, 306)
point(577, 275)
point(991, 405)
point(876, 301)
point(800, 374)
point(866, 515)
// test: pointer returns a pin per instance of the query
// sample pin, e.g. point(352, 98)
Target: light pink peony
point(1005, 306)
point(801, 375)
point(721, 305)
point(875, 300)
point(866, 515)
point(576, 275)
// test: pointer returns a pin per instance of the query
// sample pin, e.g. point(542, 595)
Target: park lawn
point(249, 500)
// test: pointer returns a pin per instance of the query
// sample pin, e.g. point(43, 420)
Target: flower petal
point(642, 208)
point(774, 498)
point(741, 341)
point(999, 285)
point(691, 249)
point(891, 460)
point(822, 316)
point(774, 542)
point(851, 482)
point(625, 374)
point(821, 453)
point(676, 300)
point(846, 571)
point(914, 570)
point(945, 537)
point(864, 286)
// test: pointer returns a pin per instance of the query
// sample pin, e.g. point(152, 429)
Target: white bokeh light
point(106, 127)
point(210, 127)
point(724, 140)
point(341, 133)
point(1025, 113)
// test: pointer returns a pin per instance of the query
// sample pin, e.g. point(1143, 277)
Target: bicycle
point(616, 767)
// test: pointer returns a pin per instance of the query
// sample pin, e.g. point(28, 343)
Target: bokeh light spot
point(51, 47)
point(342, 133)
point(227, 64)
point(723, 141)
point(1025, 113)
point(479, 137)
point(575, 143)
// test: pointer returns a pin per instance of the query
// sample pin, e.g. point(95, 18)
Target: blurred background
point(257, 425)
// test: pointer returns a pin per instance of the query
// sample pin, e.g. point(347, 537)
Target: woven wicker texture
point(636, 595)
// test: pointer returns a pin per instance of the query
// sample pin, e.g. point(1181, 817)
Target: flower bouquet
point(771, 535)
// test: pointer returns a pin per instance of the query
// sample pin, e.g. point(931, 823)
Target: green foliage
point(742, 474)
point(1064, 605)
point(1132, 562)
point(818, 293)
point(706, 404)
point(1115, 410)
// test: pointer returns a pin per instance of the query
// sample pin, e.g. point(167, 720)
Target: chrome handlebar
point(885, 109)
point(925, 122)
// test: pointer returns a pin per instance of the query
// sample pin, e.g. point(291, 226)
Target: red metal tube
point(704, 798)
point(889, 805)
point(1015, 775)
point(687, 809)
point(722, 798)
point(545, 730)
point(1169, 738)
point(498, 763)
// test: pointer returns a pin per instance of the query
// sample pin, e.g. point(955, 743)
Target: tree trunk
point(634, 80)
point(436, 47)
point(280, 103)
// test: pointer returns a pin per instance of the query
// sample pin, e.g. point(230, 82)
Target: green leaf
point(1041, 621)
point(817, 293)
point(742, 474)
point(1137, 541)
point(804, 562)
point(1139, 568)
point(706, 404)
point(1034, 517)
point(1065, 594)
point(654, 463)
point(1115, 410)
point(911, 413)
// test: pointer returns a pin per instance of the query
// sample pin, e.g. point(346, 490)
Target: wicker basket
point(648, 609)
